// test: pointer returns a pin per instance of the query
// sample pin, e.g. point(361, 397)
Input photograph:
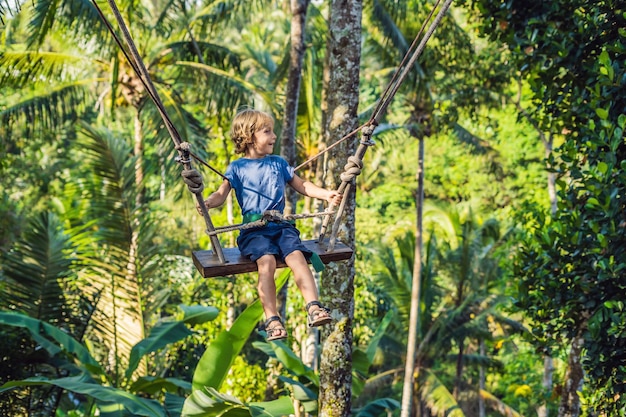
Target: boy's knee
point(296, 259)
point(295, 255)
point(266, 261)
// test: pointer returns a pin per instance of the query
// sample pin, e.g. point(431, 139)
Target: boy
point(259, 180)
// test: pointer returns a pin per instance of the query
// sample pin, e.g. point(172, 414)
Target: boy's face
point(264, 140)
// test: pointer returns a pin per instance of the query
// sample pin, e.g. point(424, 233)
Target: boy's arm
point(309, 189)
point(218, 197)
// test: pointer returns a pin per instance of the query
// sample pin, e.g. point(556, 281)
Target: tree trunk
point(459, 370)
point(288, 148)
point(292, 93)
point(132, 272)
point(481, 381)
point(288, 136)
point(551, 176)
point(414, 319)
point(570, 403)
point(138, 152)
point(339, 117)
point(548, 370)
point(548, 363)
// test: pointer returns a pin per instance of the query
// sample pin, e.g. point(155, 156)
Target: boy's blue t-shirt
point(259, 184)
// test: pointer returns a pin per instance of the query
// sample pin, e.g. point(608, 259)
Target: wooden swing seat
point(210, 266)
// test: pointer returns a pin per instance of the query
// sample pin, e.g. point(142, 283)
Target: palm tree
point(389, 28)
point(37, 279)
point(469, 272)
point(446, 319)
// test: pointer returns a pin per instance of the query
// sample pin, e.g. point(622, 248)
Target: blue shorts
point(276, 238)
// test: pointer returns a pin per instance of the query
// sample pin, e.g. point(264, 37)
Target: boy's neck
point(252, 154)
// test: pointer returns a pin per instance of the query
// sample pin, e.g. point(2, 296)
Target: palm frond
point(174, 16)
point(477, 360)
point(8, 10)
point(37, 268)
point(211, 54)
point(385, 15)
point(514, 325)
point(230, 12)
point(393, 279)
point(207, 18)
point(308, 113)
point(443, 223)
point(263, 60)
point(227, 89)
point(497, 405)
point(437, 397)
point(79, 18)
point(159, 156)
point(26, 68)
point(44, 13)
point(48, 109)
point(476, 145)
point(111, 263)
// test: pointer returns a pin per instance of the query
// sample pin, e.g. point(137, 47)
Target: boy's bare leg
point(266, 287)
point(303, 278)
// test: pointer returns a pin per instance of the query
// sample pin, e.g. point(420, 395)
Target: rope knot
point(183, 146)
point(352, 169)
point(193, 179)
point(273, 216)
point(368, 130)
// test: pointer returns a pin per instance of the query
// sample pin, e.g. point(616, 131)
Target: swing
point(209, 265)
point(224, 262)
point(229, 261)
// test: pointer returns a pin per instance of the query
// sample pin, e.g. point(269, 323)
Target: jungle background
point(500, 159)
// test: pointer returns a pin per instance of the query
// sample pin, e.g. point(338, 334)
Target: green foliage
point(212, 403)
point(40, 260)
point(519, 382)
point(136, 405)
point(88, 377)
point(438, 397)
point(303, 381)
point(42, 332)
point(476, 155)
point(220, 354)
point(571, 267)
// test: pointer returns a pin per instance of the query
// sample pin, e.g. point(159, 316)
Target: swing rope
point(191, 177)
point(409, 59)
point(269, 216)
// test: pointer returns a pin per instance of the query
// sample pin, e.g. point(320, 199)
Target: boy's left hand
point(334, 198)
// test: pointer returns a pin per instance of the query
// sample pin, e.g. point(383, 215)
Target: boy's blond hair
point(245, 124)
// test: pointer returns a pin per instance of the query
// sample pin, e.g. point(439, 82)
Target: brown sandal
point(318, 317)
point(276, 332)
